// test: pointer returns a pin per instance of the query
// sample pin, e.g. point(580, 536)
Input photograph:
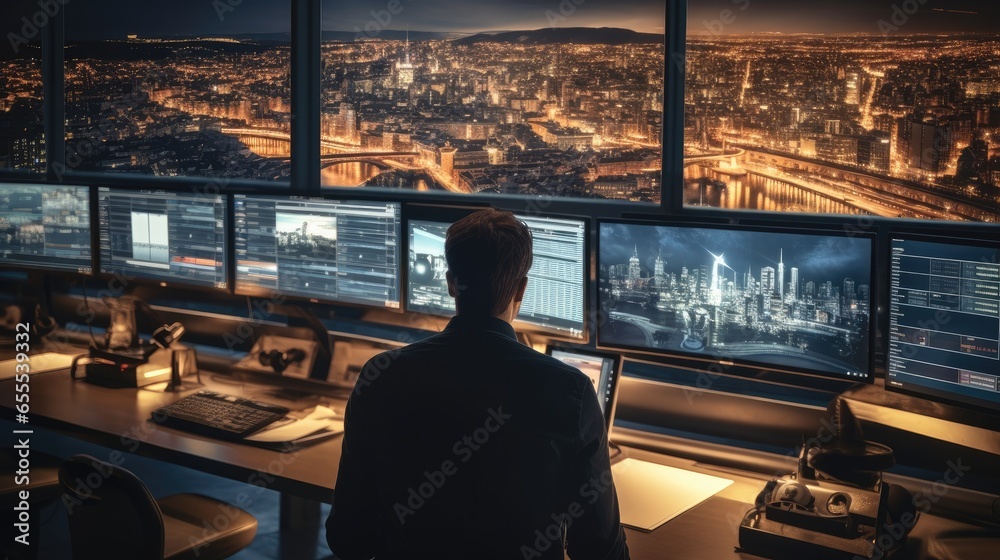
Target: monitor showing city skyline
point(790, 300)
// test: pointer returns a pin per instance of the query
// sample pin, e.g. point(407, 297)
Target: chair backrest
point(111, 513)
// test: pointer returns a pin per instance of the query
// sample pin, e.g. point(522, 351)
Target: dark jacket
point(472, 445)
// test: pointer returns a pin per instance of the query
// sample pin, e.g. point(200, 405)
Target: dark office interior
point(767, 231)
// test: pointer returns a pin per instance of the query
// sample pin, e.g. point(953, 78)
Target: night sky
point(646, 16)
point(818, 258)
point(840, 16)
point(113, 19)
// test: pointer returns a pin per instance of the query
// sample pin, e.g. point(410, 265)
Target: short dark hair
point(488, 253)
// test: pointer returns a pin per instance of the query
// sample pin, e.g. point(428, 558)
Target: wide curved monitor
point(944, 318)
point(555, 299)
point(321, 250)
point(163, 237)
point(45, 227)
point(741, 297)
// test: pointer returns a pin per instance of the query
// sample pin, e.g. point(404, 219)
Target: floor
point(164, 479)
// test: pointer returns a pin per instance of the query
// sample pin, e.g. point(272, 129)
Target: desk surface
point(118, 418)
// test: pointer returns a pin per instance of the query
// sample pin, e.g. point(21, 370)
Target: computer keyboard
point(219, 415)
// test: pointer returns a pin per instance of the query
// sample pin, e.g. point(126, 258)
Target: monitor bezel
point(744, 367)
point(58, 269)
point(240, 289)
point(618, 362)
point(127, 279)
point(453, 213)
point(933, 233)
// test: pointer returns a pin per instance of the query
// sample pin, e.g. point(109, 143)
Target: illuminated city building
point(767, 279)
point(930, 146)
point(634, 270)
point(793, 286)
point(404, 69)
point(781, 275)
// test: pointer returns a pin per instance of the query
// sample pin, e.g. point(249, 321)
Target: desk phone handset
point(282, 355)
point(279, 361)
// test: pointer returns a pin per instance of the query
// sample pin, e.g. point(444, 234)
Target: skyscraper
point(448, 160)
point(781, 275)
point(852, 93)
point(658, 273)
point(793, 286)
point(848, 289)
point(767, 280)
point(634, 271)
point(930, 146)
point(405, 71)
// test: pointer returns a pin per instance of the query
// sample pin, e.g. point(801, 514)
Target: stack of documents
point(321, 423)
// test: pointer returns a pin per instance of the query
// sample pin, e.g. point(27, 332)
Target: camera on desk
point(835, 506)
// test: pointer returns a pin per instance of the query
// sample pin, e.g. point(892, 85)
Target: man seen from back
point(470, 444)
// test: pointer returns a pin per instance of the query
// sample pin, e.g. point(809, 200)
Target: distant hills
point(564, 35)
point(388, 35)
point(257, 42)
point(577, 35)
point(136, 51)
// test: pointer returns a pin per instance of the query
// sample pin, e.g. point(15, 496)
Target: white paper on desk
point(320, 420)
point(37, 363)
point(649, 494)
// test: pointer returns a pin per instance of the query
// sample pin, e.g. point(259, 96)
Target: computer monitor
point(752, 299)
point(603, 369)
point(944, 318)
point(163, 237)
point(555, 299)
point(45, 227)
point(320, 250)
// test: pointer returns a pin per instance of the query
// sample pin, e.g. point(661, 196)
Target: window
point(528, 98)
point(22, 130)
point(185, 88)
point(847, 107)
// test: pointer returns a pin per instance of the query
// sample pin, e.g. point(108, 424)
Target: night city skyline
point(779, 114)
point(779, 298)
point(833, 256)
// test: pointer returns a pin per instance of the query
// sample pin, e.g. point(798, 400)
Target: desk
point(70, 407)
point(118, 418)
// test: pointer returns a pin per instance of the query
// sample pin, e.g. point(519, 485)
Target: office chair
point(113, 515)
